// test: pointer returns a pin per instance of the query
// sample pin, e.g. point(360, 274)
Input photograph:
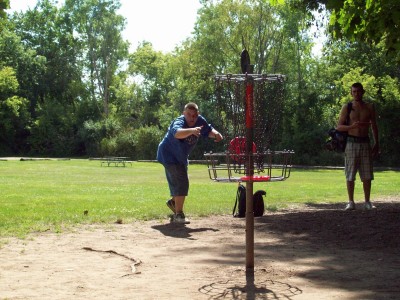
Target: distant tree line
point(69, 85)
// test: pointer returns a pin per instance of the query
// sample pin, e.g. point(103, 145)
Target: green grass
point(52, 195)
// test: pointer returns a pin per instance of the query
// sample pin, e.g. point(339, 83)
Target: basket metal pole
point(249, 111)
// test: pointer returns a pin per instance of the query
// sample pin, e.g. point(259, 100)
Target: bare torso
point(361, 112)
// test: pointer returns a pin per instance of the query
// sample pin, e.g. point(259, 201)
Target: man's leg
point(350, 168)
point(179, 201)
point(179, 216)
point(350, 190)
point(367, 189)
point(367, 193)
point(366, 173)
point(178, 182)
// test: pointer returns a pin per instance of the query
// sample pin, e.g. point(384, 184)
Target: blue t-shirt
point(176, 151)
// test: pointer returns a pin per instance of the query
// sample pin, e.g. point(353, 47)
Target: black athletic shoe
point(171, 205)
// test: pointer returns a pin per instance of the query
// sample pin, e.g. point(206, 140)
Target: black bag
point(259, 203)
point(240, 203)
point(338, 139)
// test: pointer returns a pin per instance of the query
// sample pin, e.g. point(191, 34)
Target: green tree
point(4, 4)
point(278, 41)
point(100, 34)
point(61, 98)
point(50, 32)
point(28, 65)
point(22, 70)
point(370, 21)
point(53, 90)
point(157, 80)
point(14, 114)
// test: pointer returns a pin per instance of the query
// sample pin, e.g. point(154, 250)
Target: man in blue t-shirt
point(173, 153)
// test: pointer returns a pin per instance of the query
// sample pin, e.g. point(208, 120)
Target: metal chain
point(268, 97)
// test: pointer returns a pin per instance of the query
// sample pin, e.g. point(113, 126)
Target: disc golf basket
point(249, 107)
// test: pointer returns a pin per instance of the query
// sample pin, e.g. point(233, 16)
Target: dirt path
point(318, 252)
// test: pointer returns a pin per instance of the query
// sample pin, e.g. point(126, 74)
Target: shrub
point(147, 140)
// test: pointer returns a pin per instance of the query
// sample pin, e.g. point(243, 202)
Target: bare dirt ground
point(313, 252)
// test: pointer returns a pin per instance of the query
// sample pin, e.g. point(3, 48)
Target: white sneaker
point(179, 218)
point(368, 206)
point(350, 206)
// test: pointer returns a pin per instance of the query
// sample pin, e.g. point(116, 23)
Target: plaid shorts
point(358, 158)
point(178, 179)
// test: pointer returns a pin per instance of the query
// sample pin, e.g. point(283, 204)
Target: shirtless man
point(358, 153)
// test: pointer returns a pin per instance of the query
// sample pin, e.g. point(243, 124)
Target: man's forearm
point(184, 133)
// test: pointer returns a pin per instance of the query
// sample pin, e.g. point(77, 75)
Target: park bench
point(116, 161)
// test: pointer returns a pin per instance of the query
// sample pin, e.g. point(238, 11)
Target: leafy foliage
point(69, 86)
point(99, 30)
point(369, 21)
point(14, 115)
point(4, 4)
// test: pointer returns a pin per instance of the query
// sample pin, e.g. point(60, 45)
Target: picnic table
point(116, 161)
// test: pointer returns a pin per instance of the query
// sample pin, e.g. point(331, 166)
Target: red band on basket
point(255, 178)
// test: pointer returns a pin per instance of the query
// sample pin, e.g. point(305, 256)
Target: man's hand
point(375, 151)
point(218, 137)
point(197, 130)
point(359, 124)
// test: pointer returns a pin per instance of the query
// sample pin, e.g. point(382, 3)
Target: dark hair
point(358, 85)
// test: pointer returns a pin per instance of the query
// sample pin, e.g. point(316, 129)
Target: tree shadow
point(354, 251)
point(350, 250)
point(330, 225)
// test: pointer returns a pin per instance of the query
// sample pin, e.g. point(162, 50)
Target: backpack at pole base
point(240, 203)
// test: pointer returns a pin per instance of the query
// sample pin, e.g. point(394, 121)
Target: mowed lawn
point(57, 194)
